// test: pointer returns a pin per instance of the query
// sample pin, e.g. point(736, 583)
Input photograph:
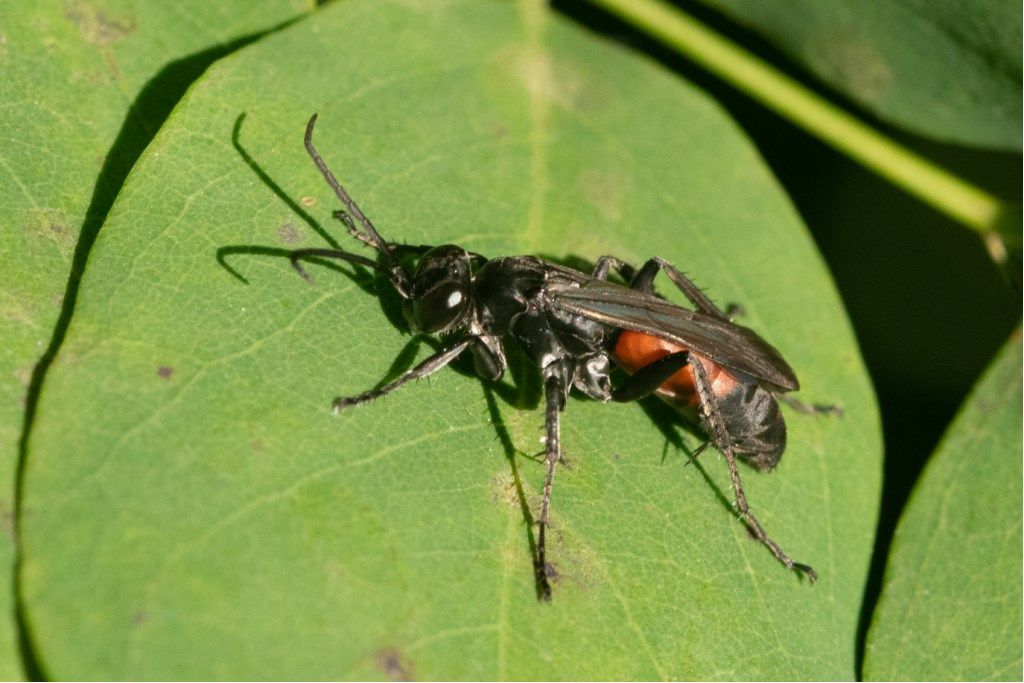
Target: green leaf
point(946, 70)
point(951, 604)
point(71, 72)
point(197, 511)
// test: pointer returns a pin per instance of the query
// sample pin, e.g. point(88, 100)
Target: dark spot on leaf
point(503, 489)
point(51, 225)
point(394, 665)
point(288, 234)
point(95, 25)
point(165, 372)
point(140, 618)
point(575, 566)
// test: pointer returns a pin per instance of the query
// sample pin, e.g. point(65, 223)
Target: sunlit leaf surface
point(195, 509)
point(72, 70)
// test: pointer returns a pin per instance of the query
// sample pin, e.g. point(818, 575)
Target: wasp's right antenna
point(397, 275)
point(300, 254)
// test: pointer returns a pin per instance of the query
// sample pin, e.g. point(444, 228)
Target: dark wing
point(728, 344)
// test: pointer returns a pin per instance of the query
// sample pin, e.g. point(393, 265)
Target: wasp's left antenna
point(397, 275)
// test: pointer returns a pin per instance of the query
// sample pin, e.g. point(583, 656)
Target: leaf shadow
point(523, 392)
point(369, 283)
point(236, 134)
point(145, 116)
point(359, 275)
point(540, 574)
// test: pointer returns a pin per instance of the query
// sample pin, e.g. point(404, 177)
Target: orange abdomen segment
point(634, 350)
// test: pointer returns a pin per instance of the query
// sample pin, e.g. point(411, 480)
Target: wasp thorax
point(441, 289)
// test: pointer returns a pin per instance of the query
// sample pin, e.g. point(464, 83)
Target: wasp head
point(440, 290)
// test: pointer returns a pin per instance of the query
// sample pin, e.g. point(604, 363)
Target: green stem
point(958, 199)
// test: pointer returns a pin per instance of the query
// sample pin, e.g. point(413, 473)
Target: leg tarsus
point(734, 310)
point(700, 449)
point(393, 247)
point(811, 408)
point(424, 369)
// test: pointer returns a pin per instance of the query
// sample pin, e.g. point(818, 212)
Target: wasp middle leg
point(554, 394)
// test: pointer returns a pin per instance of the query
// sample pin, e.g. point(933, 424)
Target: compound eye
point(441, 306)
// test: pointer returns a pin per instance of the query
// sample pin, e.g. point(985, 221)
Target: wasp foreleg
point(346, 218)
point(424, 369)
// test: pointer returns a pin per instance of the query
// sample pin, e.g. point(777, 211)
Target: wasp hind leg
point(643, 280)
point(723, 441)
point(647, 379)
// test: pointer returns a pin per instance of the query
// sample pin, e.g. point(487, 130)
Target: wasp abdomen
point(634, 350)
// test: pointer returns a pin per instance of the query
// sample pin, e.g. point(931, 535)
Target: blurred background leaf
point(950, 71)
point(919, 289)
point(951, 603)
point(196, 512)
point(85, 87)
point(803, 106)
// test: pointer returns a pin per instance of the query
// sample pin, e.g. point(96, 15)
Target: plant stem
point(953, 196)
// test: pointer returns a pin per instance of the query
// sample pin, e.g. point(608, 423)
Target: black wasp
point(574, 326)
